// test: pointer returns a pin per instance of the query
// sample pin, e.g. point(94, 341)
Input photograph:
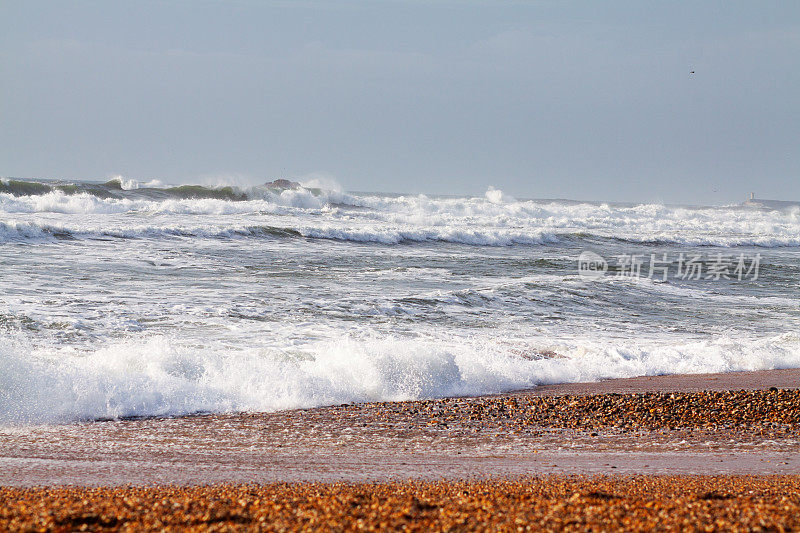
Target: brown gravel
point(573, 503)
point(767, 413)
point(576, 503)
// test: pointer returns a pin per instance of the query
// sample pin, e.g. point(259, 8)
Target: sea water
point(121, 299)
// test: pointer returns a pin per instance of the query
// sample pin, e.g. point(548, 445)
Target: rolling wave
point(26, 231)
point(115, 189)
point(33, 210)
point(23, 231)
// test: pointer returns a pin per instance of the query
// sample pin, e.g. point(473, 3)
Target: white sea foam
point(391, 221)
point(489, 221)
point(130, 184)
point(159, 376)
point(393, 235)
point(496, 196)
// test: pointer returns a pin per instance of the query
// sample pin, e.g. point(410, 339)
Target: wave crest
point(158, 376)
point(492, 220)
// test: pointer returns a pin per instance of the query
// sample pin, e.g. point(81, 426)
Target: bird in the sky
point(692, 72)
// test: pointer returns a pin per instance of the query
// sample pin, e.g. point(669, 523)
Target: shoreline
point(744, 423)
point(788, 378)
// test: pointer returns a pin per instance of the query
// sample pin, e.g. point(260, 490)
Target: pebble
point(552, 503)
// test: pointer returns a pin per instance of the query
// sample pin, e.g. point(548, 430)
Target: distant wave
point(28, 231)
point(713, 240)
point(24, 197)
point(23, 231)
point(115, 189)
point(33, 210)
point(124, 189)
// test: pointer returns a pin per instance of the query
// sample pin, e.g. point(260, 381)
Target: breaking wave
point(30, 210)
point(21, 231)
point(159, 376)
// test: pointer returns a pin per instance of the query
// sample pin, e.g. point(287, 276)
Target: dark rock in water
point(282, 184)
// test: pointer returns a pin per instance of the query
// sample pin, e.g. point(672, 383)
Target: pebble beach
point(399, 266)
point(620, 455)
point(553, 503)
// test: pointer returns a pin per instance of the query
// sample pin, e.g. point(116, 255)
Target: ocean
point(123, 299)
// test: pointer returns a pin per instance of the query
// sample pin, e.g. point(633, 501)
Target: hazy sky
point(587, 100)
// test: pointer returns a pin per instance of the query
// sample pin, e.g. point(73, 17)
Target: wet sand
point(758, 380)
point(640, 426)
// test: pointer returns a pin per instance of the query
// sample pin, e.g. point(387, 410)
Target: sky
point(542, 99)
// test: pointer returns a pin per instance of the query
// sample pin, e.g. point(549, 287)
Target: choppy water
point(153, 301)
